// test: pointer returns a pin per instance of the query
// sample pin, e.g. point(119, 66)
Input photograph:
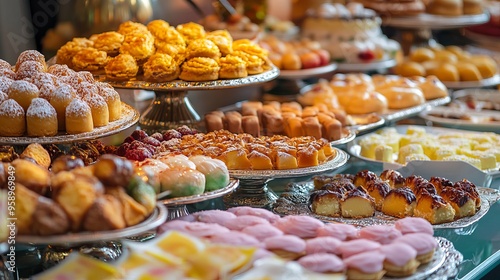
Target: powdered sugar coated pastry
point(339, 231)
point(241, 222)
point(322, 263)
point(235, 238)
point(383, 234)
point(414, 225)
point(259, 212)
point(214, 216)
point(301, 226)
point(262, 231)
point(323, 244)
point(357, 246)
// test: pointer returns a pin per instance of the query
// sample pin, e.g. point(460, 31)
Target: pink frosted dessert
point(423, 243)
point(235, 238)
point(301, 226)
point(262, 253)
point(398, 254)
point(414, 225)
point(259, 212)
point(188, 218)
point(262, 231)
point(323, 244)
point(322, 263)
point(365, 264)
point(197, 229)
point(357, 246)
point(241, 222)
point(290, 243)
point(382, 234)
point(339, 231)
point(214, 216)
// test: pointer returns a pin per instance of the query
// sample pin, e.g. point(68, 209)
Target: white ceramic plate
point(476, 120)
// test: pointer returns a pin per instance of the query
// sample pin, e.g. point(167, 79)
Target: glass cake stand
point(171, 107)
point(177, 205)
point(253, 190)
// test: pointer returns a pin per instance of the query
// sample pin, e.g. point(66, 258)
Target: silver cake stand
point(253, 190)
point(171, 107)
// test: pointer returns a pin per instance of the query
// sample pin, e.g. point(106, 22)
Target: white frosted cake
point(351, 33)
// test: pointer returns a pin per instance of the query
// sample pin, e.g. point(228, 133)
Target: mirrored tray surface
point(158, 217)
point(365, 67)
point(339, 159)
point(179, 85)
point(295, 202)
point(129, 117)
point(397, 115)
point(176, 201)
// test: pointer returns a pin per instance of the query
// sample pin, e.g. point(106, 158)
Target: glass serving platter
point(295, 201)
point(129, 117)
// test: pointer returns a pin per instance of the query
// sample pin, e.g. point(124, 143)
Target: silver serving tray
point(129, 117)
point(493, 81)
point(176, 201)
point(435, 22)
point(397, 115)
point(488, 196)
point(307, 73)
point(339, 159)
point(157, 218)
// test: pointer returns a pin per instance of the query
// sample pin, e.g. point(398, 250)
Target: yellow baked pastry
point(255, 65)
point(402, 97)
point(468, 72)
point(78, 117)
point(28, 69)
point(89, 59)
point(110, 42)
point(113, 101)
point(66, 53)
point(200, 69)
point(421, 55)
point(202, 48)
point(41, 118)
point(161, 68)
point(177, 52)
point(23, 92)
point(225, 43)
point(365, 103)
point(158, 28)
point(12, 118)
point(139, 45)
point(409, 69)
point(447, 72)
point(232, 67)
point(62, 96)
point(130, 27)
point(121, 67)
point(172, 36)
point(98, 108)
point(191, 31)
point(445, 7)
point(252, 49)
point(432, 88)
point(485, 64)
point(472, 7)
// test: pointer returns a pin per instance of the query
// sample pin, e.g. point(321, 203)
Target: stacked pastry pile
point(72, 197)
point(477, 148)
point(323, 248)
point(358, 196)
point(363, 94)
point(274, 118)
point(295, 55)
point(415, 7)
point(165, 53)
point(448, 64)
point(237, 151)
point(37, 100)
point(396, 7)
point(455, 7)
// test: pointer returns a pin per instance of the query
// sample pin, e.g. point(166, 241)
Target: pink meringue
point(322, 263)
point(367, 262)
point(339, 231)
point(235, 238)
point(290, 243)
point(422, 242)
point(398, 253)
point(259, 212)
point(241, 222)
point(301, 226)
point(357, 246)
point(197, 229)
point(323, 244)
point(414, 225)
point(262, 231)
point(383, 234)
point(214, 216)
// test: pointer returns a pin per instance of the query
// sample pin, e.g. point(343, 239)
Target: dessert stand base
point(169, 110)
point(285, 90)
point(253, 193)
point(177, 211)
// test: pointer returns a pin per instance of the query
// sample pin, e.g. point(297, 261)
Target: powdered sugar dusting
point(4, 64)
point(46, 91)
point(78, 108)
point(64, 92)
point(8, 73)
point(41, 108)
point(95, 100)
point(30, 55)
point(60, 70)
point(86, 76)
point(42, 78)
point(3, 96)
point(5, 83)
point(28, 69)
point(109, 94)
point(11, 108)
point(86, 88)
point(22, 87)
